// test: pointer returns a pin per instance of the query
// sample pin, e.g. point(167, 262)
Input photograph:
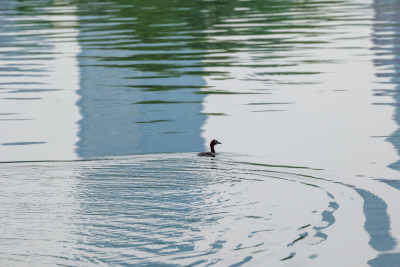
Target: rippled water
point(103, 105)
point(166, 209)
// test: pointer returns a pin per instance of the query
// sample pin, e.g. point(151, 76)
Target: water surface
point(103, 106)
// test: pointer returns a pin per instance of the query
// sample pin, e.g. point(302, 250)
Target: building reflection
point(138, 79)
point(387, 58)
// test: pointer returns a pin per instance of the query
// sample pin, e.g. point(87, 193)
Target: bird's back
point(206, 154)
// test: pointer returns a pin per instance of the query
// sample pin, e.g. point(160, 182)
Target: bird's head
point(214, 142)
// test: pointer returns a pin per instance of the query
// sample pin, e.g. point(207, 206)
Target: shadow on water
point(387, 47)
point(386, 43)
point(377, 222)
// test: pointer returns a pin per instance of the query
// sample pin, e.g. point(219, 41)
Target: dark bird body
point(212, 153)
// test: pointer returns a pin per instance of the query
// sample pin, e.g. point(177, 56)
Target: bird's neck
point(212, 149)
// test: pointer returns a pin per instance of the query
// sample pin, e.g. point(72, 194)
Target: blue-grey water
point(105, 104)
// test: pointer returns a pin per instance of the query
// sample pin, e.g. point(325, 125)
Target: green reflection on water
point(138, 54)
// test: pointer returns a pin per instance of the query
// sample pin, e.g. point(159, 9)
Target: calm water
point(104, 104)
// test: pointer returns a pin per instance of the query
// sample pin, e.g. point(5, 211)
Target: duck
point(212, 153)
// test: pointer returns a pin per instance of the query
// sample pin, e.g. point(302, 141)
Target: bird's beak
point(218, 142)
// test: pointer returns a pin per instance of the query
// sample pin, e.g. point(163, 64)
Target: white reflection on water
point(39, 84)
point(328, 119)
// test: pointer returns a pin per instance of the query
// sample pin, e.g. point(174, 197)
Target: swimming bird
point(212, 153)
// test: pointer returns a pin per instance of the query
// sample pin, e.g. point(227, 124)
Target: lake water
point(105, 104)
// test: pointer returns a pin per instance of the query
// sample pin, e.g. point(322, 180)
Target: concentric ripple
point(165, 209)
